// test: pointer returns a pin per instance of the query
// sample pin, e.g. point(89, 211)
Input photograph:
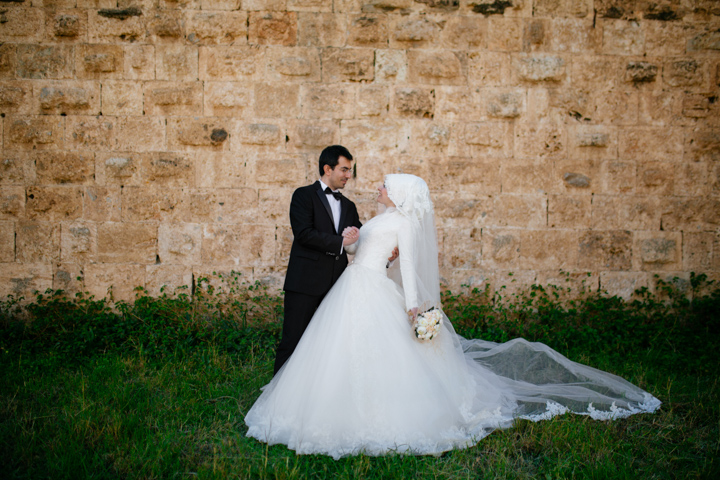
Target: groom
point(319, 214)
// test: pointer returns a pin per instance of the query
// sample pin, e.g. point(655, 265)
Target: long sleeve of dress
point(407, 266)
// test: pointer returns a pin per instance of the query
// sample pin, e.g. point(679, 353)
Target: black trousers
point(299, 310)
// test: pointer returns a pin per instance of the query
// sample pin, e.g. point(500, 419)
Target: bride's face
point(383, 197)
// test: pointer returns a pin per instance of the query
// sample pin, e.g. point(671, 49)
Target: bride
point(361, 382)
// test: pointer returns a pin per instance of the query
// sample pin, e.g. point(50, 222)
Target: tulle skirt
point(360, 382)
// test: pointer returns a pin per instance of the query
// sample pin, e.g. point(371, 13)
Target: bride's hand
point(395, 254)
point(350, 235)
point(412, 315)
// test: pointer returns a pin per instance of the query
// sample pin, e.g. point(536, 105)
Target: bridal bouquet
point(427, 325)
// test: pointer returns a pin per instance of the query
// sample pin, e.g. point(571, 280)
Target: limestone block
point(390, 66)
point(655, 178)
point(227, 99)
point(577, 176)
point(90, 133)
point(368, 30)
point(658, 108)
point(658, 251)
point(102, 204)
point(168, 279)
point(120, 281)
point(16, 97)
point(170, 169)
point(569, 285)
point(347, 64)
point(12, 202)
point(569, 211)
point(691, 214)
point(65, 167)
point(165, 26)
point(7, 241)
point(566, 105)
point(545, 141)
point(116, 25)
point(260, 134)
point(173, 98)
point(651, 144)
point(623, 284)
point(275, 205)
point(378, 138)
point(464, 33)
point(640, 72)
point(707, 40)
point(699, 106)
point(536, 35)
point(140, 134)
point(222, 170)
point(216, 28)
point(272, 28)
point(596, 72)
point(693, 179)
point(548, 249)
point(17, 168)
point(53, 203)
point(66, 26)
point(97, 3)
point(231, 63)
point(456, 208)
point(666, 38)
point(294, 65)
point(206, 133)
point(118, 168)
point(183, 4)
point(21, 280)
point(20, 24)
point(488, 139)
point(37, 242)
point(314, 135)
point(176, 62)
point(34, 132)
point(180, 244)
point(99, 61)
point(68, 97)
point(527, 176)
point(385, 5)
point(8, 60)
point(618, 176)
point(605, 250)
point(478, 175)
point(437, 68)
point(327, 101)
point(140, 204)
point(227, 205)
point(309, 6)
point(122, 98)
point(413, 102)
point(593, 142)
point(126, 242)
point(501, 247)
point(575, 35)
point(284, 236)
point(320, 29)
point(562, 8)
point(461, 104)
point(78, 242)
point(697, 251)
point(462, 248)
point(505, 102)
point(611, 212)
point(69, 278)
point(539, 67)
point(684, 72)
point(621, 37)
point(372, 101)
point(277, 100)
point(271, 163)
point(617, 107)
point(139, 62)
point(702, 145)
point(488, 68)
point(413, 31)
point(45, 61)
point(241, 245)
point(527, 211)
point(504, 34)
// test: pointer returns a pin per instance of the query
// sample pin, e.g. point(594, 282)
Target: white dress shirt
point(334, 206)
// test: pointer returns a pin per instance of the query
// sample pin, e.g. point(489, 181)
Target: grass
point(157, 388)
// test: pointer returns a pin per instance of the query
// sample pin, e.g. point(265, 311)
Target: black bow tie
point(337, 195)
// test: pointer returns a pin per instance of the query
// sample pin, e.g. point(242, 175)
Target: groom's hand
point(350, 235)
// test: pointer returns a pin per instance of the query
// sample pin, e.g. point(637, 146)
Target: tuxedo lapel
point(326, 204)
point(343, 211)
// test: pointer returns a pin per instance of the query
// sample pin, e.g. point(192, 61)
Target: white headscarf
point(411, 197)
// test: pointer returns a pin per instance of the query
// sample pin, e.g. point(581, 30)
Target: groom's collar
point(323, 186)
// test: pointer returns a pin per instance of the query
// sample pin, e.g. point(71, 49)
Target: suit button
point(337, 257)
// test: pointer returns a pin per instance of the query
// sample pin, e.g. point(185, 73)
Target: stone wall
point(150, 142)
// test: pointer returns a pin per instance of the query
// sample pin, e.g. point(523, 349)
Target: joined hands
point(350, 235)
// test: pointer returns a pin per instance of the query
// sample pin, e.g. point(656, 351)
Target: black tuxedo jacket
point(315, 259)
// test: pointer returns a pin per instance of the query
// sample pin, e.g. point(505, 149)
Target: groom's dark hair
point(330, 156)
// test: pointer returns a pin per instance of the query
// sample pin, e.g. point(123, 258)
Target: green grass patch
point(158, 387)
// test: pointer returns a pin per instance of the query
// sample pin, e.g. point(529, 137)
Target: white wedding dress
point(360, 382)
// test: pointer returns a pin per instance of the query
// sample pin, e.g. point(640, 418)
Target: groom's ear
point(327, 169)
